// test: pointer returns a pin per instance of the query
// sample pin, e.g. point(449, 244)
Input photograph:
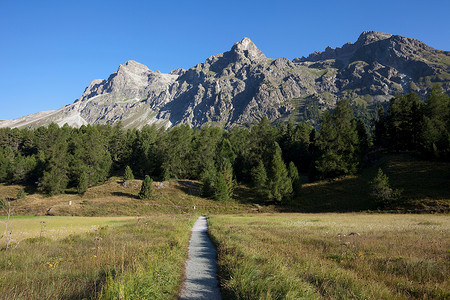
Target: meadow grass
point(54, 228)
point(338, 256)
point(138, 258)
point(114, 199)
point(423, 184)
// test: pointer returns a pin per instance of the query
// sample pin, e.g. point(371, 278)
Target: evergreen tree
point(55, 158)
point(205, 144)
point(363, 139)
point(128, 174)
point(208, 178)
point(337, 143)
point(280, 184)
point(224, 185)
point(404, 121)
point(380, 137)
point(260, 180)
point(381, 189)
point(91, 155)
point(21, 194)
point(146, 188)
point(83, 183)
point(221, 192)
point(54, 181)
point(295, 178)
point(435, 132)
point(226, 152)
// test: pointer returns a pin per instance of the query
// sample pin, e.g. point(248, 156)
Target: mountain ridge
point(242, 85)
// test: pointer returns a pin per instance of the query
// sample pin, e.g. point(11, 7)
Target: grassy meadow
point(109, 244)
point(423, 184)
point(114, 199)
point(336, 256)
point(95, 258)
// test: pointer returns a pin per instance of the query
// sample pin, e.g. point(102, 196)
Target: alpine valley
point(241, 86)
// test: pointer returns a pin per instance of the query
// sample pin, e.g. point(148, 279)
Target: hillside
point(241, 86)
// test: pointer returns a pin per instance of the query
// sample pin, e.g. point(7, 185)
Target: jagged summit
point(368, 37)
point(241, 86)
point(248, 49)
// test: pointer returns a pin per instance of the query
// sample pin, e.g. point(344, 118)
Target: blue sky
point(51, 50)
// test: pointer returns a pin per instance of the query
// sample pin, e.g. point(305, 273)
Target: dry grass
point(345, 256)
point(143, 258)
point(113, 199)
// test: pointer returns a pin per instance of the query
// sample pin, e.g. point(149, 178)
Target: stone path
point(201, 266)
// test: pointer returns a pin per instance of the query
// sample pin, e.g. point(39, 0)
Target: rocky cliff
point(241, 86)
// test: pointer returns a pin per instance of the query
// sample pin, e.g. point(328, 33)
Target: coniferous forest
point(271, 159)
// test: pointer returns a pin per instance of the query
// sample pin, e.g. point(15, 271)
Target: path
point(201, 266)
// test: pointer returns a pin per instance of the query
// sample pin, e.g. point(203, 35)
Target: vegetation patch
point(143, 258)
point(363, 256)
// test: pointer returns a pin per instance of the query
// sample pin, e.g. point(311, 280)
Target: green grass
point(143, 258)
point(424, 186)
point(343, 256)
point(54, 228)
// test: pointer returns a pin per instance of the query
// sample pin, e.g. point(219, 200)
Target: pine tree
point(260, 180)
point(295, 178)
point(226, 152)
point(83, 183)
point(221, 189)
point(208, 179)
point(224, 185)
point(128, 174)
point(381, 189)
point(435, 131)
point(54, 181)
point(146, 188)
point(280, 183)
point(21, 194)
point(337, 143)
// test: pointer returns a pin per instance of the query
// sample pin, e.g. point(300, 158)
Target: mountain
point(240, 86)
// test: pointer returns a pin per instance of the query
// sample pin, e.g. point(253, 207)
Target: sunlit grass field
point(53, 228)
point(114, 199)
point(95, 258)
point(338, 256)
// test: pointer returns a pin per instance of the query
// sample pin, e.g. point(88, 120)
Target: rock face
point(241, 86)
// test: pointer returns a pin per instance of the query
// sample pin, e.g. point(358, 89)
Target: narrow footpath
point(201, 266)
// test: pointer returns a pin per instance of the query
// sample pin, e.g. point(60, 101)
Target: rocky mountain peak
point(247, 48)
point(368, 37)
point(240, 86)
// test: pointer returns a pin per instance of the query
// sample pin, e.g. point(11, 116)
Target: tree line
point(269, 158)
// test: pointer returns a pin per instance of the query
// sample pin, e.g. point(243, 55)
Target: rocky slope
point(241, 86)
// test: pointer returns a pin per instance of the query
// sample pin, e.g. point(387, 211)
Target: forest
point(271, 159)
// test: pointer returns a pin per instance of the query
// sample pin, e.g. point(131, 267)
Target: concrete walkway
point(201, 266)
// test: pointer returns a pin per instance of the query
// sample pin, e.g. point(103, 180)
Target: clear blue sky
point(51, 50)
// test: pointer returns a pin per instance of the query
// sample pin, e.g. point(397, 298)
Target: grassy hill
point(113, 198)
point(424, 185)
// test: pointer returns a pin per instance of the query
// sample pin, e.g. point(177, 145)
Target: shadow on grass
point(190, 187)
point(127, 195)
